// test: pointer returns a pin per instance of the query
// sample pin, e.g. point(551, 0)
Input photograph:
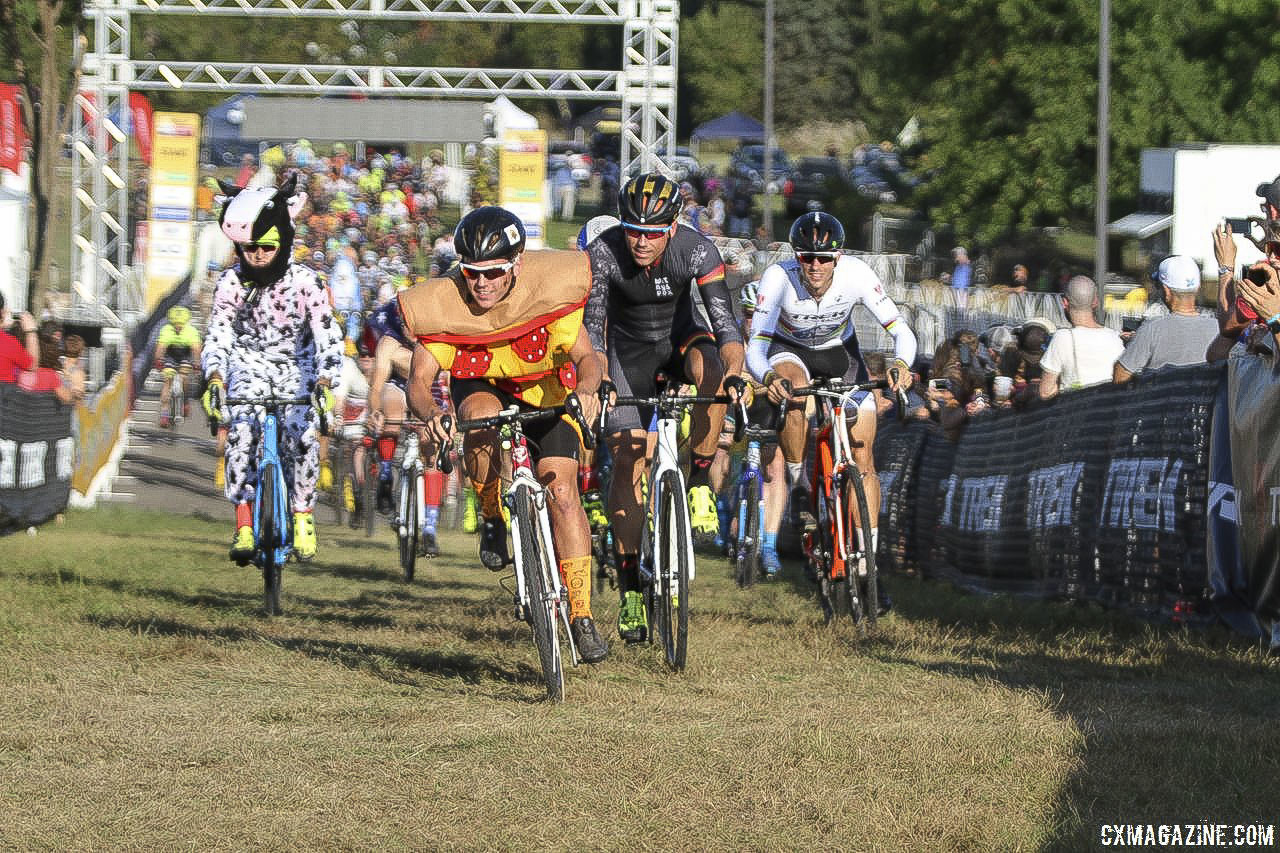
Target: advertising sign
point(522, 175)
point(175, 143)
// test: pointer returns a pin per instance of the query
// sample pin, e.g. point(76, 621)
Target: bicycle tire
point(748, 551)
point(535, 559)
point(176, 389)
point(673, 603)
point(867, 585)
point(370, 495)
point(269, 539)
point(339, 480)
point(409, 537)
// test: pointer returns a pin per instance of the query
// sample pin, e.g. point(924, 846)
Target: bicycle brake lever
point(573, 406)
point(443, 462)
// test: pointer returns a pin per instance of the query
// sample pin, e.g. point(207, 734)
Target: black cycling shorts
point(842, 362)
point(549, 437)
point(633, 365)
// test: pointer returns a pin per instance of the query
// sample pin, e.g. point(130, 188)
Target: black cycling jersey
point(648, 304)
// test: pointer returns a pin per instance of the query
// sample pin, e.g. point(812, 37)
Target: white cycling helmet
point(747, 296)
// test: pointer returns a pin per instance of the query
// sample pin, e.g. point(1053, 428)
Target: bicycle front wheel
point(370, 495)
point(270, 536)
point(339, 481)
point(408, 518)
point(536, 563)
point(672, 600)
point(748, 550)
point(862, 580)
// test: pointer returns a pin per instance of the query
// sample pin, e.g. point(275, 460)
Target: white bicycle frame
point(522, 476)
point(411, 469)
point(666, 457)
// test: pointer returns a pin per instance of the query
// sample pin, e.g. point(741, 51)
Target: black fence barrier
point(143, 340)
point(1254, 414)
point(1100, 494)
point(37, 457)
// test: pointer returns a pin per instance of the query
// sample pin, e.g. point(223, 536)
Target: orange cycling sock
point(432, 487)
point(575, 573)
point(386, 447)
point(244, 515)
point(490, 498)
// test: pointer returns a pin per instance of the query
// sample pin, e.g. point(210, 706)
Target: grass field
point(149, 705)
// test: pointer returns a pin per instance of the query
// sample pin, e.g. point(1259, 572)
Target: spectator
point(1085, 353)
point(247, 171)
point(1180, 337)
point(886, 400)
point(564, 190)
point(73, 376)
point(47, 376)
point(1237, 318)
point(715, 208)
point(740, 210)
point(15, 355)
point(962, 274)
point(1020, 278)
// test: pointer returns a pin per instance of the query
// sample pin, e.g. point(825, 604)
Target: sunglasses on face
point(815, 257)
point(633, 230)
point(492, 273)
point(259, 247)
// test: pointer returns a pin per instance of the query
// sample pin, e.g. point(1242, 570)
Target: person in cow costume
point(271, 333)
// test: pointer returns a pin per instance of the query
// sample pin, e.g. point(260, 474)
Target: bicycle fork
point(556, 594)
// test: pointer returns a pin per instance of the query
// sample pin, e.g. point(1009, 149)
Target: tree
point(39, 36)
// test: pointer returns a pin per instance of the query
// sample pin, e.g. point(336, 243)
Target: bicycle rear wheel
point(535, 558)
point(748, 551)
point(339, 480)
point(408, 518)
point(672, 602)
point(269, 540)
point(370, 496)
point(863, 587)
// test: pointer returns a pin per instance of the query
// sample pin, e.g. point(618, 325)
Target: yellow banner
point(175, 150)
point(522, 175)
point(98, 428)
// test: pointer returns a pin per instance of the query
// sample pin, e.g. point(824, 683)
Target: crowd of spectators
point(38, 358)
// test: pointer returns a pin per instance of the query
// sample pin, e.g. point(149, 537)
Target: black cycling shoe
point(384, 497)
point(883, 602)
point(493, 544)
point(592, 647)
point(801, 509)
point(427, 545)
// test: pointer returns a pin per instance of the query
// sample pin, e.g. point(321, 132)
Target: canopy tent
point(734, 125)
point(501, 115)
point(223, 132)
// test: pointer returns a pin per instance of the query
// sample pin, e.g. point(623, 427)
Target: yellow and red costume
point(521, 345)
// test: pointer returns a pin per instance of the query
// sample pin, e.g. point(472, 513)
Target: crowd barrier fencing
point(37, 457)
point(1100, 494)
point(101, 430)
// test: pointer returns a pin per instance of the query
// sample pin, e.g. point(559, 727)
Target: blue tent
point(223, 135)
point(735, 125)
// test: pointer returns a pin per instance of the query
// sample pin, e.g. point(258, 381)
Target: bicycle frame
point(411, 467)
point(665, 458)
point(750, 477)
point(269, 455)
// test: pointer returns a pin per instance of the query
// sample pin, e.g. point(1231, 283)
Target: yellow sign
point(175, 149)
point(98, 427)
point(522, 177)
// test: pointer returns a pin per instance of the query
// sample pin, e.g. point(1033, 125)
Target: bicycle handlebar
point(675, 401)
point(326, 419)
point(831, 386)
point(571, 407)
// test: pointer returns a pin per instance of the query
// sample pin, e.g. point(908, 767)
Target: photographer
point(1180, 337)
point(1021, 361)
point(1236, 313)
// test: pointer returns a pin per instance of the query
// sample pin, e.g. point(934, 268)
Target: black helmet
point(649, 200)
point(817, 232)
point(488, 234)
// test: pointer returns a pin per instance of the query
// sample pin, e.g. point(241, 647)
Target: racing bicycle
point(666, 541)
point(539, 596)
point(840, 550)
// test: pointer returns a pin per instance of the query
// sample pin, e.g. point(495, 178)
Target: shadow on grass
point(474, 670)
point(1177, 724)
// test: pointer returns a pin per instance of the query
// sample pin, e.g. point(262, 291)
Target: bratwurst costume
point(271, 333)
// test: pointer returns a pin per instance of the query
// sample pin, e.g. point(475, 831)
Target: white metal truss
point(645, 86)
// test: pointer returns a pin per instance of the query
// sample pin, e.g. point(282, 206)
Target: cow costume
point(271, 333)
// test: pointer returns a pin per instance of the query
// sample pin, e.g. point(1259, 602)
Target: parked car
point(684, 165)
point(811, 184)
point(747, 163)
point(879, 174)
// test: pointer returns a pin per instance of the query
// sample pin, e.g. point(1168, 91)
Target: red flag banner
point(140, 107)
point(11, 135)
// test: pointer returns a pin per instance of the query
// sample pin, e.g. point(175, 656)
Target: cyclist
point(803, 327)
point(272, 332)
point(351, 402)
point(177, 348)
point(508, 327)
point(643, 275)
point(391, 359)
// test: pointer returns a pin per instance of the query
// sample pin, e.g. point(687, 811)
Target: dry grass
point(149, 705)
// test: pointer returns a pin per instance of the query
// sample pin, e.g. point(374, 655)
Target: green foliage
point(721, 62)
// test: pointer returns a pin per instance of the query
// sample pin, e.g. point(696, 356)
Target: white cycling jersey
point(786, 311)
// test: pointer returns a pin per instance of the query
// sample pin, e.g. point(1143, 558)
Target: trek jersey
point(178, 345)
point(786, 312)
point(649, 304)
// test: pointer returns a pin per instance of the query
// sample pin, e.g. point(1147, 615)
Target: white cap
point(1180, 273)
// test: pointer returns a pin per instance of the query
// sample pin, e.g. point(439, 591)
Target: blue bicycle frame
point(750, 480)
point(274, 546)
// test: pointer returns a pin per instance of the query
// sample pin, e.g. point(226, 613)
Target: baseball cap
point(1180, 273)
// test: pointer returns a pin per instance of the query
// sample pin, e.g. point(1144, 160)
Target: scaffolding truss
point(645, 86)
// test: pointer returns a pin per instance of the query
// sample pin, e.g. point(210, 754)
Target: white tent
point(501, 115)
point(14, 256)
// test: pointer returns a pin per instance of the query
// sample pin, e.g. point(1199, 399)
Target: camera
point(1255, 275)
point(1130, 324)
point(939, 384)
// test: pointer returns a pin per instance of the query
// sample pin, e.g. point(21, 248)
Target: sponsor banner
point(1101, 494)
point(12, 139)
point(1253, 392)
point(522, 175)
point(174, 149)
point(98, 423)
point(37, 456)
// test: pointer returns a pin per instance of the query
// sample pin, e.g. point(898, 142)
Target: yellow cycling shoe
point(220, 474)
point(325, 482)
point(304, 535)
point(243, 546)
point(348, 495)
